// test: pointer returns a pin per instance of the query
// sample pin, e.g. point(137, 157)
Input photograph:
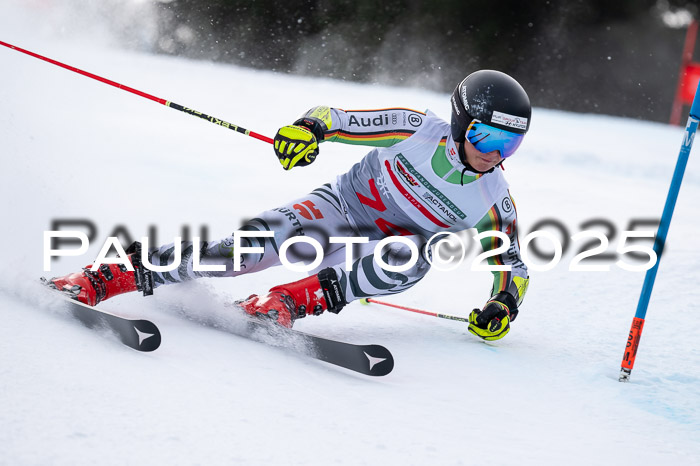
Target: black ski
point(374, 360)
point(143, 335)
point(139, 334)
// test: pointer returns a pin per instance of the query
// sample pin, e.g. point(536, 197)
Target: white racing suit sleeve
point(379, 128)
point(503, 217)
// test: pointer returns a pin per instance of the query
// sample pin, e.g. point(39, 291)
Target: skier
point(423, 177)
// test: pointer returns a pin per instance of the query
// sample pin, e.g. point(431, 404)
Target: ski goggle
point(487, 138)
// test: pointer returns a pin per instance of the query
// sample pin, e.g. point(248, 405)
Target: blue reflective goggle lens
point(487, 138)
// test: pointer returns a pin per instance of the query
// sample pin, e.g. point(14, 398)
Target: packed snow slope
point(73, 148)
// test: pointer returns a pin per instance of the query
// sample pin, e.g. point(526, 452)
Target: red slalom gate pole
point(167, 103)
point(418, 311)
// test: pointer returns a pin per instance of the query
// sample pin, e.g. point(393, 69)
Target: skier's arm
point(509, 287)
point(379, 128)
point(297, 144)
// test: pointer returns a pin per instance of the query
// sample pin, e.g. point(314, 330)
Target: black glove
point(297, 144)
point(493, 321)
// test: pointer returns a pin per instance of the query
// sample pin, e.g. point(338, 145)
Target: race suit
point(411, 184)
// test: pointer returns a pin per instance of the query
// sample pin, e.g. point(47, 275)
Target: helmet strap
point(463, 159)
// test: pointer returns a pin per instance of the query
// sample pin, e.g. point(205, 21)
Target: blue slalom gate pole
point(638, 322)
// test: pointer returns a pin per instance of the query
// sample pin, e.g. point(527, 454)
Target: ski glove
point(297, 144)
point(493, 321)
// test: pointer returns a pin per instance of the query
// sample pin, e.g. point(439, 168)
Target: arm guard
point(512, 298)
point(318, 120)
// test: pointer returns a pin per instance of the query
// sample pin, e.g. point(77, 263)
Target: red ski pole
point(410, 309)
point(167, 103)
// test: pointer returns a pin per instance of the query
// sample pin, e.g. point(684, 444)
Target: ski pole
point(635, 334)
point(167, 103)
point(427, 313)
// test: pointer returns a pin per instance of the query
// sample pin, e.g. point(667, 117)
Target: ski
point(372, 360)
point(139, 334)
point(143, 335)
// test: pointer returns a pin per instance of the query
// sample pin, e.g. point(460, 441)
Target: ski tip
point(148, 336)
point(380, 360)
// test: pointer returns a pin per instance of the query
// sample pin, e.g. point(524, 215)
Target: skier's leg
point(368, 278)
point(335, 285)
point(318, 215)
point(284, 304)
point(108, 281)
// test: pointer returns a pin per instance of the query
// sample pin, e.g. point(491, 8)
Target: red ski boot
point(110, 280)
point(285, 303)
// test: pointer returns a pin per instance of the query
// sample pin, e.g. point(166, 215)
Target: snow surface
point(73, 148)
